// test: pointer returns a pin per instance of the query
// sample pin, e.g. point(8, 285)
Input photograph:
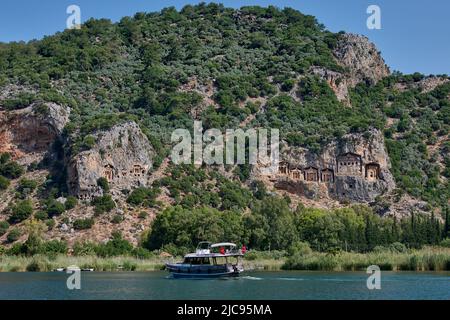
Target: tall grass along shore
point(426, 259)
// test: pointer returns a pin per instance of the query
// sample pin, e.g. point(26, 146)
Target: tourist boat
point(209, 261)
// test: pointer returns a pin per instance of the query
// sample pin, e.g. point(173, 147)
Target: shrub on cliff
point(11, 169)
point(4, 183)
point(117, 219)
point(143, 196)
point(54, 208)
point(103, 204)
point(83, 224)
point(4, 226)
point(71, 202)
point(103, 183)
point(50, 223)
point(41, 215)
point(21, 211)
point(13, 235)
point(26, 187)
point(88, 142)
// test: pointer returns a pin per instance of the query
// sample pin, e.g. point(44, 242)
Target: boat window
point(197, 260)
point(203, 245)
point(220, 260)
point(187, 260)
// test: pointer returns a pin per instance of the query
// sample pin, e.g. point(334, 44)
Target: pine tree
point(447, 222)
point(371, 234)
point(395, 232)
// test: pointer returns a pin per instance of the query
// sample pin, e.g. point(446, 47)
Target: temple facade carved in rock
point(347, 164)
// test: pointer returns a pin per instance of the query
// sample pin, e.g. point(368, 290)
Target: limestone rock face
point(28, 133)
point(430, 83)
point(355, 168)
point(362, 61)
point(122, 155)
point(336, 80)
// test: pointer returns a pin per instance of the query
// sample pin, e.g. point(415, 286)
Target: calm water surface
point(252, 285)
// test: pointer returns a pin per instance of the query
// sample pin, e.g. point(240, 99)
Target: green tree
point(446, 233)
point(116, 246)
point(54, 247)
point(35, 230)
point(21, 211)
point(186, 227)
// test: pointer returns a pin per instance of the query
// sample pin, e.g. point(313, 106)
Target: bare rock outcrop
point(430, 83)
point(28, 133)
point(355, 168)
point(336, 80)
point(360, 59)
point(123, 155)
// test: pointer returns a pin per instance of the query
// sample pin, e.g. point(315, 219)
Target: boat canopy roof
point(223, 244)
point(213, 255)
point(205, 249)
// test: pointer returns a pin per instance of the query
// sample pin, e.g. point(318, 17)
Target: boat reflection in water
point(209, 261)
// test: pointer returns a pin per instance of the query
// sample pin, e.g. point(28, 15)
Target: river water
point(300, 285)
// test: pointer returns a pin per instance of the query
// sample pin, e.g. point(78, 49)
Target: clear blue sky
point(415, 34)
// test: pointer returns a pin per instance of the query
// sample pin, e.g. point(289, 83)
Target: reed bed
point(45, 263)
point(426, 259)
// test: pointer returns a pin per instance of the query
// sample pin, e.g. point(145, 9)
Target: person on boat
point(244, 249)
point(222, 250)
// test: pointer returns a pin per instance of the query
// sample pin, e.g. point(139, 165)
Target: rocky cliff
point(28, 133)
point(361, 60)
point(122, 155)
point(354, 168)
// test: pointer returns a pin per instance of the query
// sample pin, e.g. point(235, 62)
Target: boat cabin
point(209, 260)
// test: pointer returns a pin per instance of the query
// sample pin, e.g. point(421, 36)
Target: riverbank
point(426, 259)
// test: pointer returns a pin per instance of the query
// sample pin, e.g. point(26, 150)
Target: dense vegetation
point(134, 69)
point(139, 69)
point(111, 72)
point(421, 120)
point(272, 225)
